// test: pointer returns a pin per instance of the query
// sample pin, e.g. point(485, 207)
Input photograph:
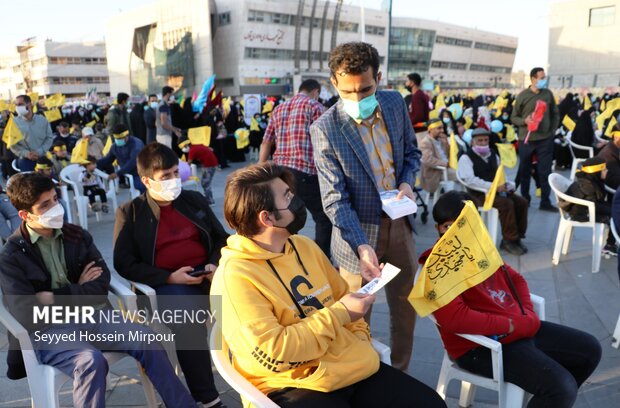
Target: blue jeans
point(196, 364)
point(25, 164)
point(84, 362)
point(552, 365)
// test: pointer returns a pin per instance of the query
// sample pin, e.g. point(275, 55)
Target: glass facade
point(410, 51)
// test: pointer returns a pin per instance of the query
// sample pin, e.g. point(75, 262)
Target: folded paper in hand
point(388, 273)
point(397, 208)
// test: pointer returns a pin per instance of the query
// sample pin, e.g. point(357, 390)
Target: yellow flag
point(568, 123)
point(587, 103)
point(511, 136)
point(3, 105)
point(610, 126)
point(55, 101)
point(462, 258)
point(199, 135)
point(434, 114)
point(11, 134)
point(507, 154)
point(107, 147)
point(468, 122)
point(440, 103)
point(91, 124)
point(80, 152)
point(243, 138)
point(34, 97)
point(226, 105)
point(499, 179)
point(268, 107)
point(52, 115)
point(602, 105)
point(454, 153)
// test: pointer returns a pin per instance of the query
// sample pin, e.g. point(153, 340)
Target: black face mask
point(298, 208)
point(408, 88)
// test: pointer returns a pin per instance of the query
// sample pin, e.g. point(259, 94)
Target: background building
point(164, 43)
point(48, 67)
point(451, 56)
point(583, 49)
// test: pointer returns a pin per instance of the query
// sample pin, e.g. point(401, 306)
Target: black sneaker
point(511, 247)
point(522, 245)
point(548, 207)
point(610, 250)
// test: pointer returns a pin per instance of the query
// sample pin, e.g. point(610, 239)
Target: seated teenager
point(611, 154)
point(47, 261)
point(546, 359)
point(293, 329)
point(159, 238)
point(477, 168)
point(124, 150)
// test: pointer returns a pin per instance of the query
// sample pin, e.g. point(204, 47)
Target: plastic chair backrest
point(72, 174)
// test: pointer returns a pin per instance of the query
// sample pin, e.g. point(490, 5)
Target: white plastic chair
point(220, 354)
point(14, 165)
point(444, 185)
point(490, 217)
point(133, 191)
point(45, 381)
point(572, 146)
point(615, 338)
point(559, 185)
point(72, 175)
point(509, 395)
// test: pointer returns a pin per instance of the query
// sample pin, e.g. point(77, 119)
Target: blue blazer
point(348, 188)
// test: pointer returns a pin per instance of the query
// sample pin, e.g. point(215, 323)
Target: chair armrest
point(124, 293)
point(496, 353)
point(385, 353)
point(147, 291)
point(483, 341)
point(539, 305)
point(15, 328)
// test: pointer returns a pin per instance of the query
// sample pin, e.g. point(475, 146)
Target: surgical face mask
point(120, 142)
point(542, 83)
point(172, 99)
point(298, 208)
point(168, 190)
point(185, 149)
point(154, 105)
point(482, 150)
point(446, 121)
point(21, 110)
point(52, 218)
point(505, 117)
point(361, 109)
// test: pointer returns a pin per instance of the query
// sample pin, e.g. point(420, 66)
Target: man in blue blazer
point(364, 145)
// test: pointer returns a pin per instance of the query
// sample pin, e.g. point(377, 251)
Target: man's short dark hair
point(121, 97)
point(154, 157)
point(415, 78)
point(353, 58)
point(59, 143)
point(535, 71)
point(44, 160)
point(309, 85)
point(26, 98)
point(166, 90)
point(152, 96)
point(449, 206)
point(24, 189)
point(63, 124)
point(248, 192)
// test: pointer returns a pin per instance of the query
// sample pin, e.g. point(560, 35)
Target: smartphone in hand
point(198, 271)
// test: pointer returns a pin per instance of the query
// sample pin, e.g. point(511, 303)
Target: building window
point(490, 68)
point(283, 54)
point(291, 19)
point(222, 82)
point(449, 65)
point(440, 39)
point(375, 30)
point(223, 18)
point(602, 16)
point(495, 48)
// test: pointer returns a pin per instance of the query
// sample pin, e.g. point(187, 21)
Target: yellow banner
point(91, 124)
point(498, 180)
point(52, 115)
point(568, 123)
point(108, 146)
point(587, 103)
point(268, 107)
point(12, 134)
point(511, 136)
point(464, 257)
point(610, 126)
point(242, 136)
point(80, 152)
point(507, 154)
point(199, 135)
point(454, 153)
point(55, 101)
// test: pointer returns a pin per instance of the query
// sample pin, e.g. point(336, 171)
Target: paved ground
point(574, 296)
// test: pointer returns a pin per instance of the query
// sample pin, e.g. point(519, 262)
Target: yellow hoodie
point(271, 345)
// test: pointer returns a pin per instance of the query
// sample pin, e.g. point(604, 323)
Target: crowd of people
point(296, 327)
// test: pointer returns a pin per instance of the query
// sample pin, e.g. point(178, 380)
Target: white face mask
point(52, 218)
point(169, 190)
point(154, 105)
point(21, 110)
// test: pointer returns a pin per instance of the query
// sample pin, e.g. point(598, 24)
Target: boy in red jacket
point(547, 360)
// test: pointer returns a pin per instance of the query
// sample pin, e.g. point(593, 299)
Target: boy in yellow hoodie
point(292, 327)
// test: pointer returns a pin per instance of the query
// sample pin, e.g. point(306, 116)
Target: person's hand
point(181, 277)
point(405, 190)
point(45, 298)
point(357, 304)
point(210, 268)
point(369, 264)
point(112, 176)
point(528, 119)
point(32, 155)
point(90, 273)
point(502, 188)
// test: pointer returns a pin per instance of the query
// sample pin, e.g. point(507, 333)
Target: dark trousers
point(552, 365)
point(307, 187)
point(85, 364)
point(512, 210)
point(93, 191)
point(388, 387)
point(25, 165)
point(543, 149)
point(196, 364)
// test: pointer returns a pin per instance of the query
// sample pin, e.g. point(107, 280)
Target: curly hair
point(353, 58)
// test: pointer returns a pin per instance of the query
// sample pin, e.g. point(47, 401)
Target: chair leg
point(514, 396)
point(468, 390)
point(568, 238)
point(443, 380)
point(149, 390)
point(615, 340)
point(555, 259)
point(598, 234)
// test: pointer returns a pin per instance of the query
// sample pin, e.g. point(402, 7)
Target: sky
point(84, 21)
